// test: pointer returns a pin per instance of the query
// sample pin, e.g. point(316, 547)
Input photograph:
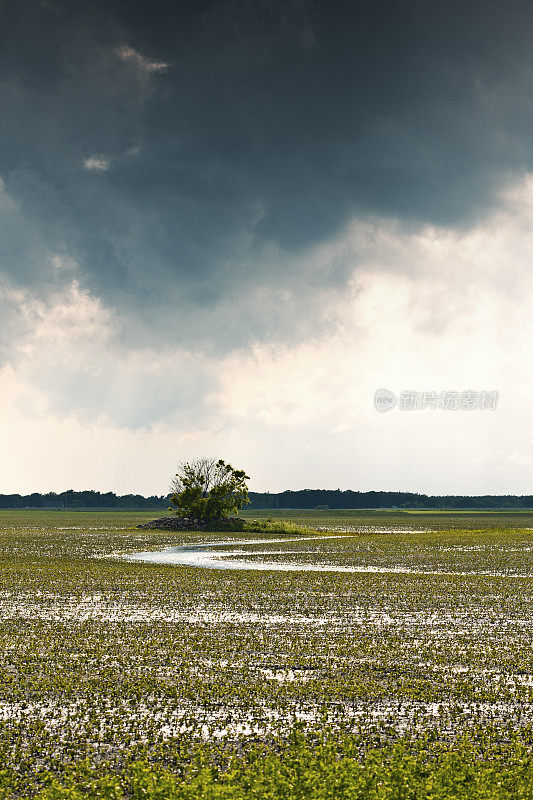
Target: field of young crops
point(379, 656)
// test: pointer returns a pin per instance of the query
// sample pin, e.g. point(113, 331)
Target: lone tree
point(207, 490)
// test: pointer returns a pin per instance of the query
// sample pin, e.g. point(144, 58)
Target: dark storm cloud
point(185, 152)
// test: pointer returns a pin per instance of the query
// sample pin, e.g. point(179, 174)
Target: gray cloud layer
point(183, 154)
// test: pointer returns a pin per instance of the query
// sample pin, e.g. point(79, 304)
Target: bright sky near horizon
point(224, 226)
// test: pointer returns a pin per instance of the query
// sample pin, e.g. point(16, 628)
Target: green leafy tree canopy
point(208, 490)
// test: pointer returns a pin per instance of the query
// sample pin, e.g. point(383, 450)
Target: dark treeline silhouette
point(85, 499)
point(336, 499)
point(314, 499)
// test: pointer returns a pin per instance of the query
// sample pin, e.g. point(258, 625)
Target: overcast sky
point(224, 225)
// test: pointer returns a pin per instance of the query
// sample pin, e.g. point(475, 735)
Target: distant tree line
point(323, 499)
point(85, 499)
point(312, 499)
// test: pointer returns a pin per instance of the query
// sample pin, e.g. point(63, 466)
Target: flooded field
point(122, 647)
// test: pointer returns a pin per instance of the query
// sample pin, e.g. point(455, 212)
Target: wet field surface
point(390, 630)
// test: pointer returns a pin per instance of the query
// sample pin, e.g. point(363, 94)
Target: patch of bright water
point(204, 556)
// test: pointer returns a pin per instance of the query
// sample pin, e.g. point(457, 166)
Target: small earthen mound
point(187, 524)
point(174, 524)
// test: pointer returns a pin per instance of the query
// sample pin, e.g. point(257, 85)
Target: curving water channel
point(205, 555)
point(235, 555)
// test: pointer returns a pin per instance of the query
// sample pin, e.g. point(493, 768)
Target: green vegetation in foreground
point(130, 679)
point(325, 771)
